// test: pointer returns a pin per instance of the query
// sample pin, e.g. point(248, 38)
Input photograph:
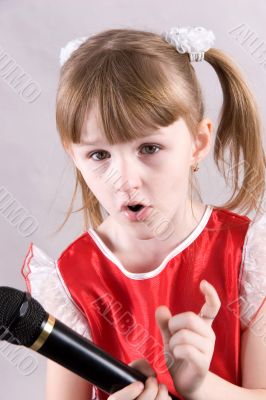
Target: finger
point(163, 315)
point(186, 336)
point(129, 392)
point(212, 302)
point(189, 320)
point(189, 353)
point(162, 392)
point(151, 389)
point(143, 366)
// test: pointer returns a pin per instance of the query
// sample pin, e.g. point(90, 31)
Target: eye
point(97, 152)
point(151, 146)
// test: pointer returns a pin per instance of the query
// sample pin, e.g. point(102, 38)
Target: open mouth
point(136, 207)
point(136, 212)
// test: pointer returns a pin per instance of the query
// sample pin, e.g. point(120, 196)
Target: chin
point(142, 231)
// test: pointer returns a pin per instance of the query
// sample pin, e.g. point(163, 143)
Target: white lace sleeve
point(44, 284)
point(252, 280)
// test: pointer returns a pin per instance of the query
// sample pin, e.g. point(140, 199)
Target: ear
point(202, 143)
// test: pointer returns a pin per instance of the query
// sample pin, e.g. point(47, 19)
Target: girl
point(160, 280)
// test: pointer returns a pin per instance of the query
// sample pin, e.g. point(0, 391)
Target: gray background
point(36, 173)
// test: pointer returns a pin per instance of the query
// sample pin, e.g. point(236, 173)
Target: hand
point(191, 340)
point(136, 390)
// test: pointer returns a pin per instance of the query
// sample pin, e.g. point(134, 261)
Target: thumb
point(142, 365)
point(162, 315)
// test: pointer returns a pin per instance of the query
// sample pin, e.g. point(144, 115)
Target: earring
point(195, 168)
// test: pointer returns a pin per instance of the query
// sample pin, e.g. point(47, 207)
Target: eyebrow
point(88, 143)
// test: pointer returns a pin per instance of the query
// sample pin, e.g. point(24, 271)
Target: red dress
point(119, 306)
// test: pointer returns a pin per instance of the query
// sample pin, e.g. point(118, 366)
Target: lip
point(136, 216)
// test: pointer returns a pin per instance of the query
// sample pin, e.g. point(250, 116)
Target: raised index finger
point(212, 303)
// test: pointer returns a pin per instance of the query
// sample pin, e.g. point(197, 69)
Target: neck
point(147, 241)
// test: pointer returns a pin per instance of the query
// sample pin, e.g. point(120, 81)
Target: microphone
point(23, 321)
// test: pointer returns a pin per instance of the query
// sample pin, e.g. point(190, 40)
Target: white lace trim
point(47, 288)
point(146, 275)
point(252, 281)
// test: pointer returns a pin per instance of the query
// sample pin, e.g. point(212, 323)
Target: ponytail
point(240, 131)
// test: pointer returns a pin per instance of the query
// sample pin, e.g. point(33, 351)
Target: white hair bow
point(71, 46)
point(194, 40)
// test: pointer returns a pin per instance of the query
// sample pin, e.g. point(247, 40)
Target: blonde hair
point(139, 81)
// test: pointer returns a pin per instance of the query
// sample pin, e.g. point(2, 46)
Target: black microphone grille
point(21, 316)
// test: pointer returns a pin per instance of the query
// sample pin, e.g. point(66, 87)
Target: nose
point(127, 176)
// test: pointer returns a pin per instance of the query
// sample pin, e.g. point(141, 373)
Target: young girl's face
point(153, 170)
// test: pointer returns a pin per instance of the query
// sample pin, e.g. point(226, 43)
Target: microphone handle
point(81, 356)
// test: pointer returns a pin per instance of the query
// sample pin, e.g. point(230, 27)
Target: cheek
point(88, 169)
point(96, 178)
point(173, 168)
point(99, 190)
point(172, 179)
